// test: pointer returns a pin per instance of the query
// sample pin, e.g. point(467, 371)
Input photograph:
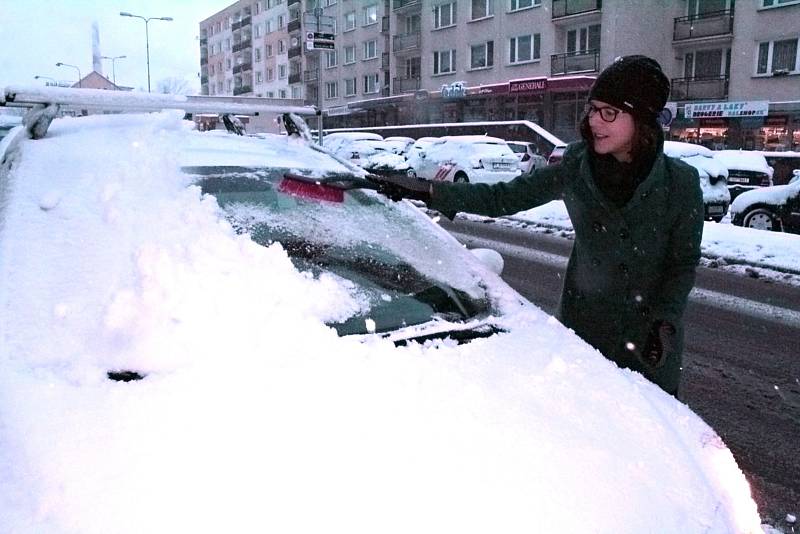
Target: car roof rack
point(44, 103)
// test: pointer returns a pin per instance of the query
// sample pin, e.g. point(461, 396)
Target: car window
point(403, 272)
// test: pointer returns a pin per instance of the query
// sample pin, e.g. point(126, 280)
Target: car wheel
point(461, 177)
point(717, 219)
point(411, 173)
point(761, 219)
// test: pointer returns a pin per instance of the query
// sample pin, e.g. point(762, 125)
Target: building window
point(350, 21)
point(482, 55)
point(776, 3)
point(444, 61)
point(259, 77)
point(444, 15)
point(524, 48)
point(257, 31)
point(331, 90)
point(295, 92)
point(370, 83)
point(257, 52)
point(282, 71)
point(370, 15)
point(778, 57)
point(270, 26)
point(282, 93)
point(584, 40)
point(270, 74)
point(330, 58)
point(228, 43)
point(228, 64)
point(257, 8)
point(269, 50)
point(281, 22)
point(281, 46)
point(370, 50)
point(219, 87)
point(228, 85)
point(480, 9)
point(349, 54)
point(350, 87)
point(211, 70)
point(330, 3)
point(516, 5)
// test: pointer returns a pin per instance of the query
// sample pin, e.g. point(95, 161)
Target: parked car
point(556, 154)
point(529, 157)
point(415, 150)
point(747, 170)
point(354, 146)
point(782, 163)
point(7, 122)
point(713, 176)
point(195, 325)
point(775, 208)
point(399, 145)
point(467, 158)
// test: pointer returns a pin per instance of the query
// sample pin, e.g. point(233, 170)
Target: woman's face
point(615, 137)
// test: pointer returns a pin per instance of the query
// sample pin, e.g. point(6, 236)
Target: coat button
point(624, 234)
point(623, 268)
point(595, 262)
point(598, 227)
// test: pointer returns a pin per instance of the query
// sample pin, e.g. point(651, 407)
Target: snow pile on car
point(256, 417)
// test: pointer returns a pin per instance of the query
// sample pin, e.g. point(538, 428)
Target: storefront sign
point(338, 110)
point(532, 85)
point(495, 89)
point(454, 90)
point(758, 108)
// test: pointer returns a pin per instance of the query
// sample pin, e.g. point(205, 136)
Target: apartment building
point(735, 69)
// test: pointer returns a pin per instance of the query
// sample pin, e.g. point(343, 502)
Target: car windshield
point(401, 271)
point(491, 149)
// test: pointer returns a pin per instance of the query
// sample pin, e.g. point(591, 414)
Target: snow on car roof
point(484, 139)
point(678, 149)
point(355, 136)
point(744, 160)
point(776, 195)
point(111, 259)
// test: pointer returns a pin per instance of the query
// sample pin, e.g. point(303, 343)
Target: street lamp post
point(53, 80)
point(146, 37)
point(114, 67)
point(59, 64)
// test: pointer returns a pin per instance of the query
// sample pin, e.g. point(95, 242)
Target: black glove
point(399, 186)
point(660, 342)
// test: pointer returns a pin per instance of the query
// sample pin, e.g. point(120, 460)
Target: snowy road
point(742, 374)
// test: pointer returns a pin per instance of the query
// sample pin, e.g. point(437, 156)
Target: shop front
point(748, 125)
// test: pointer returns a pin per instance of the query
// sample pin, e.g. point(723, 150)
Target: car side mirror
point(490, 258)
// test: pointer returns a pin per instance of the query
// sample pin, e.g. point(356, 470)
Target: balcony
point(203, 80)
point(385, 60)
point(715, 24)
point(410, 5)
point(406, 85)
point(310, 75)
point(295, 51)
point(385, 24)
point(705, 88)
point(246, 21)
point(236, 26)
point(573, 62)
point(203, 41)
point(242, 90)
point(243, 45)
point(295, 77)
point(244, 67)
point(409, 41)
point(203, 61)
point(293, 26)
point(568, 8)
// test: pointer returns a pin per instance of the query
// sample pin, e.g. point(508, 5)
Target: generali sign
point(532, 85)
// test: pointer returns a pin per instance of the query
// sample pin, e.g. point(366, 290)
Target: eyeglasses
point(606, 113)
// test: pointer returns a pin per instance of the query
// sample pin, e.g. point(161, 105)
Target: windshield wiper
point(460, 336)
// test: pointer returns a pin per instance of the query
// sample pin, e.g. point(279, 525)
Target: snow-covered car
point(713, 176)
point(556, 154)
point(415, 150)
point(467, 158)
point(529, 157)
point(783, 165)
point(398, 144)
point(774, 208)
point(206, 333)
point(354, 146)
point(747, 170)
point(7, 122)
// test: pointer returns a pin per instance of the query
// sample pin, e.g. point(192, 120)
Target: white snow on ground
point(256, 417)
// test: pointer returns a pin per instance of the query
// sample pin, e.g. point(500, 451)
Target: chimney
point(97, 62)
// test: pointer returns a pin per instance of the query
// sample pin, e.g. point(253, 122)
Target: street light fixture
point(146, 36)
point(53, 80)
point(59, 64)
point(114, 67)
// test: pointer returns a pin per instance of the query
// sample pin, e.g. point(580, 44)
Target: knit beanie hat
point(635, 84)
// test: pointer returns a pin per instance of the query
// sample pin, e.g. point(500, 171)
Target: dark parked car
point(747, 170)
point(783, 164)
point(774, 208)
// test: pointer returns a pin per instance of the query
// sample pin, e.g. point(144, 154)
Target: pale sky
point(36, 34)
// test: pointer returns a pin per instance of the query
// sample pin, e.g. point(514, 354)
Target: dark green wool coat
point(629, 266)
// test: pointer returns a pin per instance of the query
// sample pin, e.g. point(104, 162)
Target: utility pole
point(318, 14)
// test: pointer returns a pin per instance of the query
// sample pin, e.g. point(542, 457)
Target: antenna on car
point(44, 104)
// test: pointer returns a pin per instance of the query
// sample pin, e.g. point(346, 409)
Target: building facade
point(735, 69)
